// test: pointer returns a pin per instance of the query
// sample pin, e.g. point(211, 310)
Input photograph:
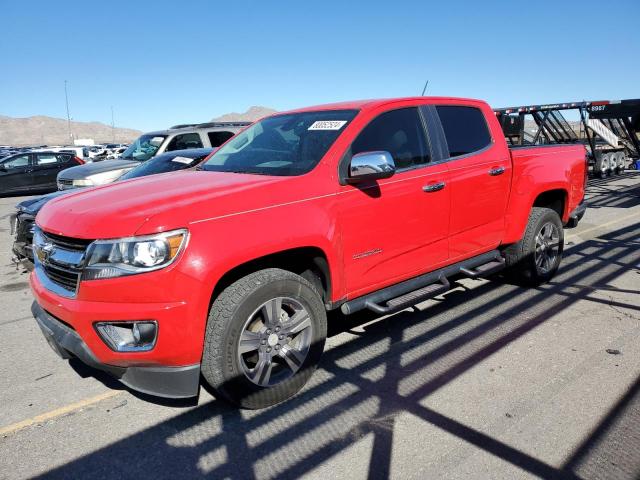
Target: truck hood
point(158, 203)
point(83, 171)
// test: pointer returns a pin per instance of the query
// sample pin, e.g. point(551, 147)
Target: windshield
point(290, 144)
point(143, 148)
point(166, 163)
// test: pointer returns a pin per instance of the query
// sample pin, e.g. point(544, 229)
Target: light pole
point(66, 99)
point(113, 127)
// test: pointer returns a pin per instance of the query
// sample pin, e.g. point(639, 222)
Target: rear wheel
point(613, 164)
point(601, 167)
point(264, 338)
point(621, 162)
point(536, 258)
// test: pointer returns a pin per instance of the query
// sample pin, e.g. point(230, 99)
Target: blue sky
point(161, 63)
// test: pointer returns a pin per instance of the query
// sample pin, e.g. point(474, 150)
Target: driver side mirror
point(371, 166)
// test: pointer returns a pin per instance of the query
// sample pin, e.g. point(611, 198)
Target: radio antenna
point(425, 88)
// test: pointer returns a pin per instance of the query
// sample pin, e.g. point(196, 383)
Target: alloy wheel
point(547, 249)
point(275, 341)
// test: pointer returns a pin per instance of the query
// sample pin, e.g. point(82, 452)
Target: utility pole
point(66, 98)
point(113, 127)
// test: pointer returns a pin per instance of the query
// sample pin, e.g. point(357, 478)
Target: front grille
point(65, 277)
point(67, 243)
point(57, 266)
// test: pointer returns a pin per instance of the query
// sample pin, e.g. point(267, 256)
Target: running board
point(411, 298)
point(483, 271)
point(418, 289)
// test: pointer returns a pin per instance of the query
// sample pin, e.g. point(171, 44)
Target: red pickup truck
point(226, 273)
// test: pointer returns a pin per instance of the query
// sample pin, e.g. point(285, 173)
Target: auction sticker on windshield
point(184, 160)
point(327, 125)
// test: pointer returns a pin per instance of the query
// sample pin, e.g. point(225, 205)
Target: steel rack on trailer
point(609, 129)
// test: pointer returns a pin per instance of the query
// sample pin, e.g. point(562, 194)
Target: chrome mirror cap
point(371, 166)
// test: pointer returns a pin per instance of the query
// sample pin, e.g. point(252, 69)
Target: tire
point(257, 378)
point(523, 259)
point(613, 164)
point(621, 163)
point(601, 167)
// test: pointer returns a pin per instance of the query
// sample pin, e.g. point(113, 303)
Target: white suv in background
point(148, 145)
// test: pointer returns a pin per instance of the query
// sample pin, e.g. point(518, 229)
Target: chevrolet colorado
point(226, 273)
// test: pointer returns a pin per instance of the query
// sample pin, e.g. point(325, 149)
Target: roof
point(373, 103)
point(200, 126)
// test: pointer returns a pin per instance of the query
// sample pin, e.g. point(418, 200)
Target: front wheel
point(535, 259)
point(264, 338)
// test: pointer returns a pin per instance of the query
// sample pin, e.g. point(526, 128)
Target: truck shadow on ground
point(605, 193)
point(389, 367)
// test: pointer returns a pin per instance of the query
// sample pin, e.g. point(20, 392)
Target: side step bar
point(410, 292)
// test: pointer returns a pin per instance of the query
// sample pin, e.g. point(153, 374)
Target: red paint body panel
point(371, 237)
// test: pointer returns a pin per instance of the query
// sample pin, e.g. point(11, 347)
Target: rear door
point(15, 174)
point(479, 175)
point(46, 166)
point(395, 228)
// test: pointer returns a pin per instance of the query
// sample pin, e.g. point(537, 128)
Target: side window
point(17, 162)
point(398, 132)
point(64, 157)
point(46, 158)
point(465, 129)
point(218, 138)
point(184, 142)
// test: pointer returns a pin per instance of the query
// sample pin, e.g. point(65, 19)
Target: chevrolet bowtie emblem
point(45, 251)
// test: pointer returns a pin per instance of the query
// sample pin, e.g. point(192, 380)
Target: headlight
point(82, 183)
point(128, 256)
point(100, 178)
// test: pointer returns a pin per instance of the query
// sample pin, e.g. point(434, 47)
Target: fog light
point(128, 336)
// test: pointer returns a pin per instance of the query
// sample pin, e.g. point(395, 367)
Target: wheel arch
point(555, 199)
point(310, 262)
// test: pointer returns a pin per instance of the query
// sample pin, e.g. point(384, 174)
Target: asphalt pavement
point(489, 380)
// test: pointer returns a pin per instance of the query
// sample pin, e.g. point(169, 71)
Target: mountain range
point(42, 130)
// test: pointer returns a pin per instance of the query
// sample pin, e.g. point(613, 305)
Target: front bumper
point(169, 382)
point(22, 234)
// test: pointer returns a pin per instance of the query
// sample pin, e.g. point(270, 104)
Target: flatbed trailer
point(608, 128)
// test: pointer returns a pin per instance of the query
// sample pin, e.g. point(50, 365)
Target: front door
point(395, 228)
point(15, 174)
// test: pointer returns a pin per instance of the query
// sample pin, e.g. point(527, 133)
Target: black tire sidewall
point(231, 381)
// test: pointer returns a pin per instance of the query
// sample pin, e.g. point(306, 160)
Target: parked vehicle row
point(225, 273)
point(23, 220)
point(149, 145)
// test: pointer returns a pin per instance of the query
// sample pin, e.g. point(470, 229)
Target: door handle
point(496, 171)
point(433, 187)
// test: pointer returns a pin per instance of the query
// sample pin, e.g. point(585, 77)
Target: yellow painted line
point(58, 412)
point(602, 225)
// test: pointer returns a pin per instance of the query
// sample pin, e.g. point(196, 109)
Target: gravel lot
point(488, 381)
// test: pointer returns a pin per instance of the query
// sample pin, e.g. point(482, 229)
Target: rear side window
point(398, 132)
point(46, 158)
point(185, 142)
point(218, 138)
point(465, 129)
point(64, 157)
